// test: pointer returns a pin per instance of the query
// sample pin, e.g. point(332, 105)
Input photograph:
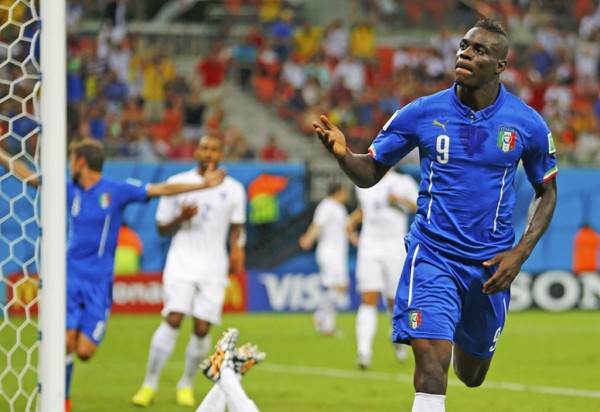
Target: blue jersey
point(95, 217)
point(468, 162)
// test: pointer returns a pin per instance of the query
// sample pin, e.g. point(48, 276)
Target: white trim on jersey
point(429, 191)
point(500, 200)
point(104, 235)
point(412, 273)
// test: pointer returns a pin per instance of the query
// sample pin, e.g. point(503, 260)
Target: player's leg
point(366, 327)
point(334, 278)
point(477, 333)
point(426, 311)
point(196, 350)
point(236, 398)
point(88, 308)
point(393, 270)
point(178, 298)
point(369, 283)
point(206, 308)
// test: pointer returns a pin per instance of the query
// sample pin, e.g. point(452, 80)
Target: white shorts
point(334, 273)
point(378, 275)
point(201, 300)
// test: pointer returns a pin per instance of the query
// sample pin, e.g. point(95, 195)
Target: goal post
point(53, 207)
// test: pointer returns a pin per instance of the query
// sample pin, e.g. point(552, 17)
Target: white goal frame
point(52, 314)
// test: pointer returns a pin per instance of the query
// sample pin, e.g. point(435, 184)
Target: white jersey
point(198, 250)
point(384, 225)
point(332, 244)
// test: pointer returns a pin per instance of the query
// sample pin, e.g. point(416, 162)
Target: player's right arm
point(362, 169)
point(170, 228)
point(19, 168)
point(308, 239)
point(354, 219)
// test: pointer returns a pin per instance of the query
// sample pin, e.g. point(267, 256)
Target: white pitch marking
point(382, 376)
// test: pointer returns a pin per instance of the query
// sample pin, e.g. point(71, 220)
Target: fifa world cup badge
point(414, 318)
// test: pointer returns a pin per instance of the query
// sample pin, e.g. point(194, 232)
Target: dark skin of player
point(480, 60)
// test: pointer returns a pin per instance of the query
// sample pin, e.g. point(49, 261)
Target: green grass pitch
point(544, 362)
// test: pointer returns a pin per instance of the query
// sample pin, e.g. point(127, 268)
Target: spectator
point(272, 152)
point(586, 245)
point(307, 40)
point(128, 253)
point(211, 70)
point(282, 32)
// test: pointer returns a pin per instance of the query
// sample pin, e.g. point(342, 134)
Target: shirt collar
point(487, 112)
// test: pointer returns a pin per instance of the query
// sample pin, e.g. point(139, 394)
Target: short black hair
point(493, 26)
point(334, 188)
point(91, 150)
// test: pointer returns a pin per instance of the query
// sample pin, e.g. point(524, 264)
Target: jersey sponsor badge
point(104, 200)
point(507, 137)
point(415, 318)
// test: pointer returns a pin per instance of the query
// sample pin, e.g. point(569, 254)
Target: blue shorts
point(439, 297)
point(88, 306)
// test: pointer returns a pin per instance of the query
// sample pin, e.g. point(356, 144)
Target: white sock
point(426, 402)
point(366, 326)
point(161, 347)
point(328, 319)
point(196, 350)
point(214, 401)
point(235, 396)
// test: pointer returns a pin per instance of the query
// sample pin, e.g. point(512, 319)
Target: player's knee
point(470, 379)
point(85, 354)
point(201, 329)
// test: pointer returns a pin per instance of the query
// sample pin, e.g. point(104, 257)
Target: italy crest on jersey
point(104, 200)
point(415, 318)
point(507, 137)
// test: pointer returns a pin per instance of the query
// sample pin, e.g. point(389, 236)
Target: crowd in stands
point(132, 97)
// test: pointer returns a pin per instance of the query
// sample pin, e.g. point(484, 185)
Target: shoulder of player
point(184, 177)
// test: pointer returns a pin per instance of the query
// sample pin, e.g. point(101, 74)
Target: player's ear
point(501, 66)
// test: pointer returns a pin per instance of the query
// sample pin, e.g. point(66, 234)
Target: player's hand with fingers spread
point(509, 264)
point(214, 177)
point(332, 138)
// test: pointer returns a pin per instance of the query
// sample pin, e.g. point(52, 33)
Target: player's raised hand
point(332, 138)
point(187, 212)
point(213, 176)
point(509, 264)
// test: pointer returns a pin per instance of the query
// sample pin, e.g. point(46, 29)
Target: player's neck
point(478, 98)
point(89, 178)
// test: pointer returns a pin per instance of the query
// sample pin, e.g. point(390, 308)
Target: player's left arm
point(237, 243)
point(509, 263)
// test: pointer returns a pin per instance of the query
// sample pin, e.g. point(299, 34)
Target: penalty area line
point(382, 376)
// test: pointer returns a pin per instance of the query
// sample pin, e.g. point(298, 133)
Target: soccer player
point(195, 274)
point(453, 294)
point(383, 211)
point(328, 230)
point(95, 205)
point(226, 368)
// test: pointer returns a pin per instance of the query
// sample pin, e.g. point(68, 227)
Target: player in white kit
point(328, 230)
point(195, 274)
point(383, 210)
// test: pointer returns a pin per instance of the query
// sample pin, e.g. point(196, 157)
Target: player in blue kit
point(454, 292)
point(96, 205)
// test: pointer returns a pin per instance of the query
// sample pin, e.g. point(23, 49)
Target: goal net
point(21, 215)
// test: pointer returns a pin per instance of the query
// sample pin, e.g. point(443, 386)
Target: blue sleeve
point(131, 191)
point(398, 136)
point(539, 156)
